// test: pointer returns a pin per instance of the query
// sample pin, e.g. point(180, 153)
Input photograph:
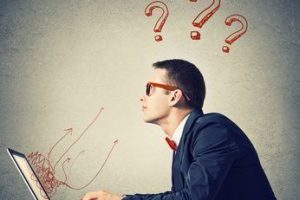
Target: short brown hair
point(187, 77)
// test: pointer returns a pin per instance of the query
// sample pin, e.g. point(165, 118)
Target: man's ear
point(175, 97)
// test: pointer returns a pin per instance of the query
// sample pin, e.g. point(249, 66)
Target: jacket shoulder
point(211, 118)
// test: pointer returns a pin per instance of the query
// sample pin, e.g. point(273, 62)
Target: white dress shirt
point(179, 130)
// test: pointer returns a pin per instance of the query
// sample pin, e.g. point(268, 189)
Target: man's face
point(156, 106)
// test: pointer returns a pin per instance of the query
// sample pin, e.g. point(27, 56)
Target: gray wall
point(60, 61)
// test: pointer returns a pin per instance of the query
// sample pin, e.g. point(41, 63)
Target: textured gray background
point(60, 61)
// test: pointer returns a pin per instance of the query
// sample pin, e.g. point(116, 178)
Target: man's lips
point(144, 108)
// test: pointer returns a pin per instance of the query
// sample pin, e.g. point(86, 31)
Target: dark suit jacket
point(214, 161)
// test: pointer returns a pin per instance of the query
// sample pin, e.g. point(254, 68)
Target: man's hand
point(101, 195)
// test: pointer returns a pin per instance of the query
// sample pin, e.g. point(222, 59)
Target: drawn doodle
point(162, 19)
point(203, 17)
point(237, 34)
point(47, 172)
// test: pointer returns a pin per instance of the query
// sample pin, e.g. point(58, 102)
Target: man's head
point(175, 84)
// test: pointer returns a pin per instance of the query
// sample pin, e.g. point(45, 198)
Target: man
point(213, 159)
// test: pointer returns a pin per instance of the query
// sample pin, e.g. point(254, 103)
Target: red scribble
point(237, 34)
point(46, 171)
point(162, 19)
point(204, 16)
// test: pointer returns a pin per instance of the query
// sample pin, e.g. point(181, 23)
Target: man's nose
point(142, 98)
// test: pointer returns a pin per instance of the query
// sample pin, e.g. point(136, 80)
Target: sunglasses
point(150, 85)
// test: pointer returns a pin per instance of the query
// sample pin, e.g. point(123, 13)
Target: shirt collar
point(179, 130)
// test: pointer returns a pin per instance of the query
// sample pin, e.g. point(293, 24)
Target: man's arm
point(214, 151)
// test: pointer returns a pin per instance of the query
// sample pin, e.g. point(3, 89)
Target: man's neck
point(172, 121)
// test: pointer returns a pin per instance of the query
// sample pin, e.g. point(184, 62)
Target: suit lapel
point(195, 114)
point(177, 158)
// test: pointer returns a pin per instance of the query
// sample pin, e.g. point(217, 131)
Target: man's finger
point(91, 196)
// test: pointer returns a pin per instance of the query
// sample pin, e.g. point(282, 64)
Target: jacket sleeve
point(214, 151)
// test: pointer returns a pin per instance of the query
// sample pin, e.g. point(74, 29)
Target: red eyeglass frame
point(164, 86)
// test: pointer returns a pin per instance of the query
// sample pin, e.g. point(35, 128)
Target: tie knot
point(171, 143)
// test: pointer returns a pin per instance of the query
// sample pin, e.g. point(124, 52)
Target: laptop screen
point(28, 175)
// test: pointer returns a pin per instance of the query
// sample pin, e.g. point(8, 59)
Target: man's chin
point(149, 120)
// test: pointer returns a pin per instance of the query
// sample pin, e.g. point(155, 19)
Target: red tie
point(171, 143)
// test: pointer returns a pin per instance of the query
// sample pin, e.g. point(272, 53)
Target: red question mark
point(163, 18)
point(201, 18)
point(237, 34)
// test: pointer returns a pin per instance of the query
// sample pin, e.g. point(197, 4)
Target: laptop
point(28, 174)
